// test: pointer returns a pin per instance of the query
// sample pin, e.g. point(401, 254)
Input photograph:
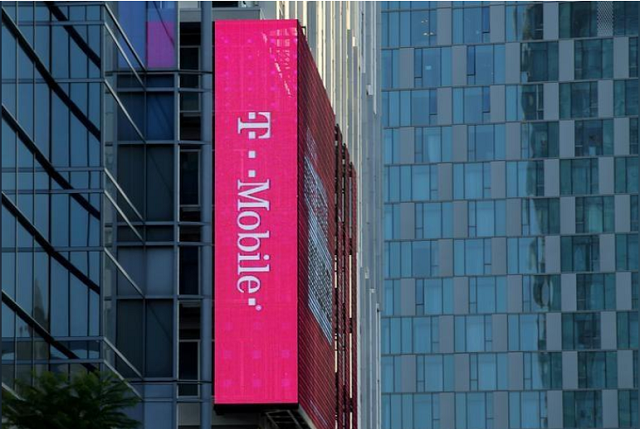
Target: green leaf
point(92, 400)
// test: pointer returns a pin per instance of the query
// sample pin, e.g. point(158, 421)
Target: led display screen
point(256, 213)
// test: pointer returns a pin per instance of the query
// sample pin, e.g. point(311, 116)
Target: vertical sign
point(256, 218)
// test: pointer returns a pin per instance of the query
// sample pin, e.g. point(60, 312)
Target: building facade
point(511, 215)
point(107, 193)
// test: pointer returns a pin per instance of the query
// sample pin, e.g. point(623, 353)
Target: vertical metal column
point(206, 263)
point(1, 99)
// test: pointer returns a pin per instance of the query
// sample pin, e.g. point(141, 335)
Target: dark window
point(159, 338)
point(634, 213)
point(580, 331)
point(628, 408)
point(597, 370)
point(129, 331)
point(596, 292)
point(160, 116)
point(578, 19)
point(580, 253)
point(625, 18)
point(594, 137)
point(633, 136)
point(627, 330)
point(626, 252)
point(593, 59)
point(582, 409)
point(633, 57)
point(579, 176)
point(626, 175)
point(189, 270)
point(538, 61)
point(625, 97)
point(189, 177)
point(160, 188)
point(578, 100)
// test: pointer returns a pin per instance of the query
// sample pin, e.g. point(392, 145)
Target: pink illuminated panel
point(256, 157)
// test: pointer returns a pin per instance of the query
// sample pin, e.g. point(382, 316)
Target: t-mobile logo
point(265, 126)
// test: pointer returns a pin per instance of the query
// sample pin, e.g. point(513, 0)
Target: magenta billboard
point(256, 213)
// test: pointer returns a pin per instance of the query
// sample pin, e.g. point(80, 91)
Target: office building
point(107, 189)
point(511, 215)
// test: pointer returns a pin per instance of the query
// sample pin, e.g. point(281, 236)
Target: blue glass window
point(432, 144)
point(540, 216)
point(472, 180)
point(527, 410)
point(525, 255)
point(524, 22)
point(542, 371)
point(432, 67)
point(527, 332)
point(594, 214)
point(485, 142)
point(541, 293)
point(525, 178)
point(471, 105)
point(539, 140)
point(434, 220)
point(471, 25)
point(485, 64)
point(472, 257)
point(487, 295)
point(486, 218)
point(473, 333)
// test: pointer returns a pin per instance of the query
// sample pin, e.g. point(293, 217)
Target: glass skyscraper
point(107, 194)
point(511, 215)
